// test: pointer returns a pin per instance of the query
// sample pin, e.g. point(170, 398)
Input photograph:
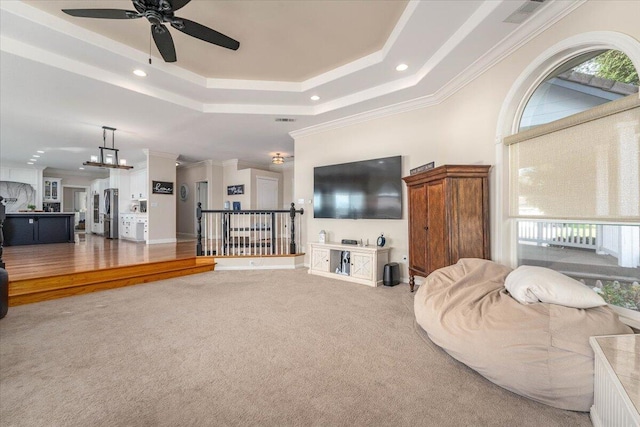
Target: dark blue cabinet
point(38, 228)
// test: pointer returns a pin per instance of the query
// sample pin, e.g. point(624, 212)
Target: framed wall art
point(233, 190)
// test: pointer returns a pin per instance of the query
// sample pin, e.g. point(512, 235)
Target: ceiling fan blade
point(164, 42)
point(177, 4)
point(207, 34)
point(102, 13)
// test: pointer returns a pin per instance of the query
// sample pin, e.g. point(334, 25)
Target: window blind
point(582, 167)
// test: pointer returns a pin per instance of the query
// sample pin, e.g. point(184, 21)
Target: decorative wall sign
point(422, 168)
point(235, 189)
point(162, 187)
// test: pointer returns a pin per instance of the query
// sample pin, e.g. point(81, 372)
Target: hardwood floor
point(93, 263)
point(89, 253)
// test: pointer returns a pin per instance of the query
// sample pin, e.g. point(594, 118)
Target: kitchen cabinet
point(134, 226)
point(448, 217)
point(52, 190)
point(38, 227)
point(138, 185)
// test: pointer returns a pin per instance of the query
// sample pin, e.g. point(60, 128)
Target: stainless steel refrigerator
point(111, 213)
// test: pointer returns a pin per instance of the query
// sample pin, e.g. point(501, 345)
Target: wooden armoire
point(448, 217)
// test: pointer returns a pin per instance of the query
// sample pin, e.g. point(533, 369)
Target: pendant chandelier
point(110, 159)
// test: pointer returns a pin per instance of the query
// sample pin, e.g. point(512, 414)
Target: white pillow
point(529, 284)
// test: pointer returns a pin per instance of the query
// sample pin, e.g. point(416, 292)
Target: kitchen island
point(33, 228)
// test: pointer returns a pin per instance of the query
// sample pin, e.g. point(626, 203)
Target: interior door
point(267, 193)
point(418, 228)
point(436, 223)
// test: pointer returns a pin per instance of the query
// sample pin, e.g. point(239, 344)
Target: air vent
point(285, 119)
point(524, 12)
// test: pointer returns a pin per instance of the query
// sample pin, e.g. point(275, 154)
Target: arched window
point(584, 82)
point(574, 176)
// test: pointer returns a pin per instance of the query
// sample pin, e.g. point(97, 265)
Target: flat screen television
point(369, 189)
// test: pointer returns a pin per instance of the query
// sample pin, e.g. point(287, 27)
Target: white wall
point(287, 185)
point(460, 130)
point(186, 209)
point(161, 207)
point(232, 175)
point(235, 173)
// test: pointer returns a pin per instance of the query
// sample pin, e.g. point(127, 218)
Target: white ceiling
point(63, 78)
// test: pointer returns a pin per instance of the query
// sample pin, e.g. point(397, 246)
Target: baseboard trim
point(160, 241)
point(255, 267)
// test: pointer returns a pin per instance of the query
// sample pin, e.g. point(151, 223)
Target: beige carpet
point(272, 348)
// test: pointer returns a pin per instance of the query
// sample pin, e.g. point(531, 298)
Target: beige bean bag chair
point(537, 350)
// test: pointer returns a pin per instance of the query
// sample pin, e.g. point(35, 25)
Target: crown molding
point(205, 163)
point(68, 28)
point(62, 26)
point(547, 16)
point(241, 164)
point(160, 154)
point(537, 24)
point(37, 54)
point(16, 165)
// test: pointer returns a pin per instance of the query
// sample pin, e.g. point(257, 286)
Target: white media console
point(365, 263)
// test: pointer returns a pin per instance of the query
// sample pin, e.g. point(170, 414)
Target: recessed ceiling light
point(81, 168)
point(35, 155)
point(315, 97)
point(140, 73)
point(40, 151)
point(29, 163)
point(402, 67)
point(32, 160)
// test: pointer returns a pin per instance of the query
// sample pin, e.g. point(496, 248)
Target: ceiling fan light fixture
point(277, 159)
point(110, 159)
point(159, 14)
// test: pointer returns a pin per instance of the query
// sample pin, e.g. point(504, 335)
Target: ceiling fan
point(159, 12)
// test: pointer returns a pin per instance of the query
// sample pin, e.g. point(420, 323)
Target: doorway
point(75, 199)
point(202, 194)
point(267, 193)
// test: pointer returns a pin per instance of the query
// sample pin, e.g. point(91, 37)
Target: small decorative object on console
point(349, 242)
point(381, 240)
point(322, 237)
